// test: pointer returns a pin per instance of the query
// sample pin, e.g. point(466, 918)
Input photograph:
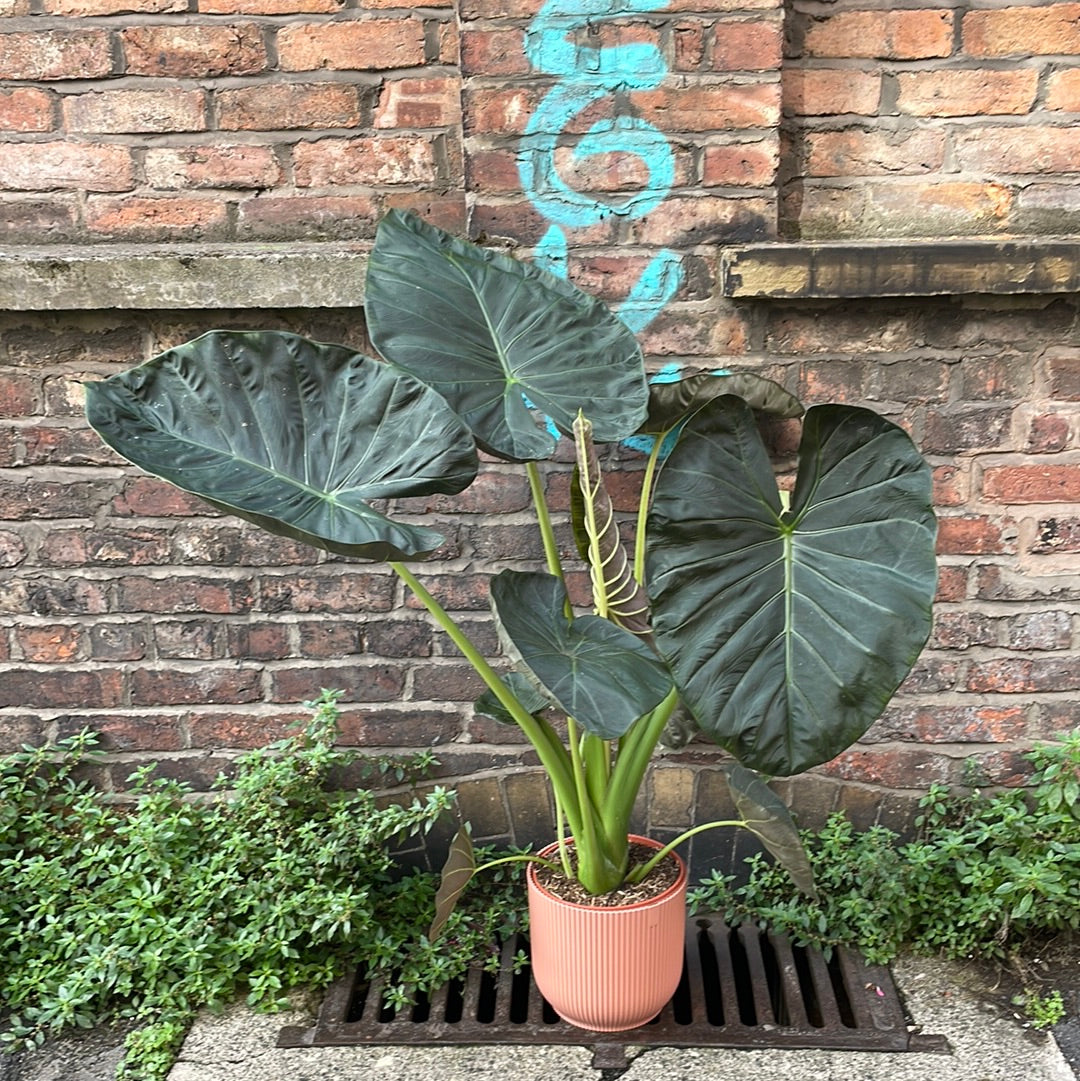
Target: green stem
point(634, 756)
point(643, 869)
point(523, 858)
point(543, 515)
point(647, 482)
point(552, 754)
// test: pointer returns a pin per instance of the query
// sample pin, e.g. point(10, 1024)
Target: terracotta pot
point(607, 969)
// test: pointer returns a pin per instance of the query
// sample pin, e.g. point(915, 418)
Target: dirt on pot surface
point(661, 879)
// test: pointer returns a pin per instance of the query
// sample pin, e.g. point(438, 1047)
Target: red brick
point(308, 218)
point(58, 643)
point(447, 212)
point(120, 111)
point(709, 108)
point(1015, 676)
point(676, 332)
point(380, 160)
point(951, 430)
point(328, 640)
point(967, 93)
point(419, 103)
point(1011, 484)
point(269, 7)
point(952, 584)
point(962, 630)
point(859, 153)
point(1063, 90)
point(689, 221)
point(952, 486)
point(618, 171)
point(19, 394)
point(112, 7)
point(891, 35)
point(288, 106)
point(975, 534)
point(327, 593)
point(148, 497)
point(45, 55)
point(1022, 31)
point(449, 44)
point(364, 45)
point(902, 768)
point(1063, 371)
point(51, 689)
point(127, 732)
point(1047, 434)
point(26, 108)
point(33, 220)
point(25, 499)
point(203, 686)
point(194, 52)
point(499, 51)
point(1035, 149)
point(492, 171)
point(829, 92)
point(145, 219)
point(239, 730)
point(47, 166)
point(189, 639)
point(259, 641)
point(363, 683)
point(1040, 630)
point(218, 166)
point(753, 164)
point(746, 46)
point(1057, 535)
point(958, 724)
point(689, 45)
point(175, 595)
point(117, 642)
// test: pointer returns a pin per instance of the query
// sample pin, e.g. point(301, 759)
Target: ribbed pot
point(607, 969)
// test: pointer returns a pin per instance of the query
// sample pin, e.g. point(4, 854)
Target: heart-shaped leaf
point(488, 331)
point(292, 435)
point(787, 632)
point(522, 689)
point(457, 872)
point(769, 820)
point(600, 674)
point(670, 403)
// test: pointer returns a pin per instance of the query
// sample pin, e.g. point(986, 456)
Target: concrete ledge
point(911, 268)
point(68, 278)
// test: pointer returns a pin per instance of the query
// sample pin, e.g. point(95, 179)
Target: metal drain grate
point(740, 988)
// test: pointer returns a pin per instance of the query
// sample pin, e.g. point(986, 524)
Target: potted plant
point(781, 623)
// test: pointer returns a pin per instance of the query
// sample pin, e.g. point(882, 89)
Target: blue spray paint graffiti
point(587, 75)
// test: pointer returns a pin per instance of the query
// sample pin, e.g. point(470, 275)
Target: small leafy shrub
point(986, 873)
point(152, 909)
point(1043, 1011)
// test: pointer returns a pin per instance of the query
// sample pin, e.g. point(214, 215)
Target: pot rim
point(677, 886)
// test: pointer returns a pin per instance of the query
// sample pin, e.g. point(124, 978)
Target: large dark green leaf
point(600, 674)
point(484, 329)
point(768, 819)
point(787, 632)
point(290, 434)
point(672, 403)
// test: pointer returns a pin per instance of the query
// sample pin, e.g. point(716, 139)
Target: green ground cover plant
point(988, 874)
point(150, 909)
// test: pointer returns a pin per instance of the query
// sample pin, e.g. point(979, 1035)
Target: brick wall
point(629, 151)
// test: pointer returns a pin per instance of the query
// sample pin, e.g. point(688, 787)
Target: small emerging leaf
point(459, 868)
point(672, 403)
point(767, 818)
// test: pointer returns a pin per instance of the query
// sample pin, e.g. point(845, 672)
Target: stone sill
point(913, 268)
point(322, 275)
point(193, 276)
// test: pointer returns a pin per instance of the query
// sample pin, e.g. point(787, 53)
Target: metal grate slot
point(740, 987)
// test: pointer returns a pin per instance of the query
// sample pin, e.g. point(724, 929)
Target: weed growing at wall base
point(987, 874)
point(153, 909)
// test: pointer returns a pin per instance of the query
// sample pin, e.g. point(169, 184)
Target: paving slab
point(983, 1046)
